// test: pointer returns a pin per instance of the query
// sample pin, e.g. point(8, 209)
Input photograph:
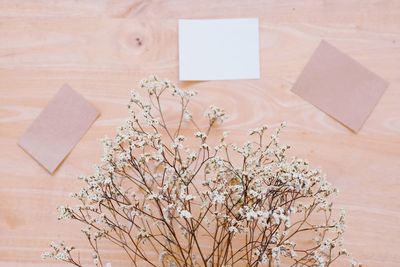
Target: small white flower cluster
point(64, 213)
point(155, 185)
point(216, 114)
point(60, 252)
point(185, 214)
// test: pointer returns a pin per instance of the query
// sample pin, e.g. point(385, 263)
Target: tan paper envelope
point(58, 128)
point(339, 86)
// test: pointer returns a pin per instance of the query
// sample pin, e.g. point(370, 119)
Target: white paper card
point(218, 49)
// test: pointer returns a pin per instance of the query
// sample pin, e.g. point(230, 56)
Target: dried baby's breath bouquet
point(171, 196)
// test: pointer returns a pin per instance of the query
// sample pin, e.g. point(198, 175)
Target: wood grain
point(103, 48)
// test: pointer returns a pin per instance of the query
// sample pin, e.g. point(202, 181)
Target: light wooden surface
point(103, 48)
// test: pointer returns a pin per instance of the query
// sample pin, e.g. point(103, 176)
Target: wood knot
point(138, 41)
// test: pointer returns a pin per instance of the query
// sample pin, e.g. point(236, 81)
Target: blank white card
point(218, 49)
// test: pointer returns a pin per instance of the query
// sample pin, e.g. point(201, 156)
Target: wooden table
point(103, 48)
